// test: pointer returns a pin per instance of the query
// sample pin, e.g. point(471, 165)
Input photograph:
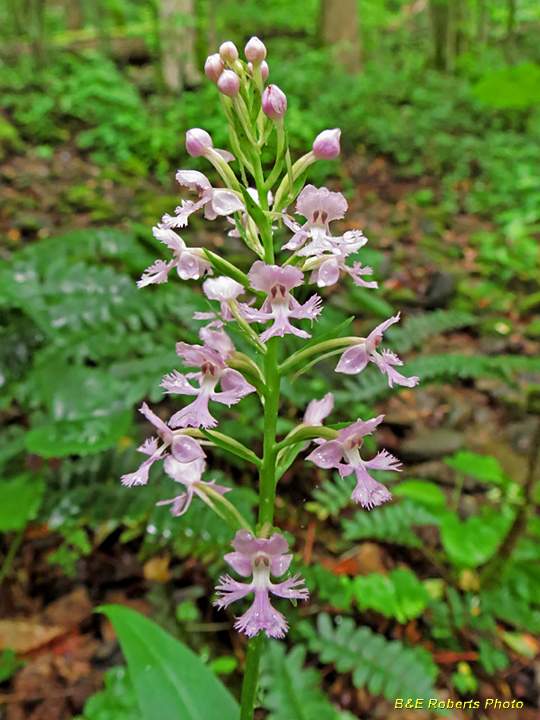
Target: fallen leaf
point(24, 637)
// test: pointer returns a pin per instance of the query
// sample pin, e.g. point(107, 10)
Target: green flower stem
point(323, 347)
point(251, 677)
point(267, 472)
point(267, 486)
point(306, 432)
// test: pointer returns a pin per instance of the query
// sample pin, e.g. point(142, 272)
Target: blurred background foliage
point(439, 104)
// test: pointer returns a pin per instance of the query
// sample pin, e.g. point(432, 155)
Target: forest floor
point(47, 617)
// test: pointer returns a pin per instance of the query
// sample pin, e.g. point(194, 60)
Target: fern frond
point(441, 368)
point(385, 667)
point(291, 691)
point(418, 328)
point(332, 497)
point(391, 523)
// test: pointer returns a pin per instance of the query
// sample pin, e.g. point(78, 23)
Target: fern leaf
point(386, 667)
point(391, 523)
point(332, 497)
point(418, 328)
point(441, 368)
point(333, 589)
point(291, 691)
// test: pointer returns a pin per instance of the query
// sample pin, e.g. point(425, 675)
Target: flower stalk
point(222, 374)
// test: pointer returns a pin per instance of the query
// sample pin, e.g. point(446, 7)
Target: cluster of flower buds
point(224, 374)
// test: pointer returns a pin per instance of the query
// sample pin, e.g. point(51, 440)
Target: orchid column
point(255, 202)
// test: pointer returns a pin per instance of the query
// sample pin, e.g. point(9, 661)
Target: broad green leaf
point(170, 681)
point(512, 87)
point(472, 542)
point(481, 467)
point(427, 493)
point(78, 437)
point(400, 594)
point(20, 499)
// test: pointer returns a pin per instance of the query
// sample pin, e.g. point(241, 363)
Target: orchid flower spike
point(260, 557)
point(212, 370)
point(190, 263)
point(326, 268)
point(224, 289)
point(368, 492)
point(320, 206)
point(356, 357)
point(279, 306)
point(188, 474)
point(183, 449)
point(216, 201)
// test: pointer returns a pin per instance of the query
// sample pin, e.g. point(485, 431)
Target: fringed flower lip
point(356, 357)
point(279, 306)
point(346, 447)
point(212, 370)
point(260, 558)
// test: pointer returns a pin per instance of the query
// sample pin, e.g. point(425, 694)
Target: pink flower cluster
point(315, 256)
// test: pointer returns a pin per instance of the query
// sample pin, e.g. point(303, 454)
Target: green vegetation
point(441, 167)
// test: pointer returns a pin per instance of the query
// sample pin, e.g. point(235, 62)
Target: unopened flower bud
point(326, 144)
point(198, 141)
point(274, 102)
point(264, 70)
point(255, 51)
point(229, 83)
point(228, 52)
point(213, 67)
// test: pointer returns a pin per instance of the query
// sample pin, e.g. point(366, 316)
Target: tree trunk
point(440, 13)
point(177, 19)
point(340, 27)
point(482, 26)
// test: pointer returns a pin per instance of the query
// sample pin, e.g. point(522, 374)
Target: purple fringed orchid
point(216, 201)
point(213, 336)
point(368, 492)
point(213, 370)
point(318, 410)
point(190, 263)
point(184, 450)
point(320, 206)
point(261, 558)
point(326, 267)
point(279, 306)
point(355, 358)
point(188, 474)
point(225, 290)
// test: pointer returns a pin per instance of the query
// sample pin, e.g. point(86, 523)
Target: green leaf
point(512, 87)
point(20, 500)
point(78, 437)
point(9, 664)
point(291, 691)
point(171, 682)
point(116, 702)
point(470, 543)
point(424, 492)
point(385, 667)
point(400, 594)
point(481, 467)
